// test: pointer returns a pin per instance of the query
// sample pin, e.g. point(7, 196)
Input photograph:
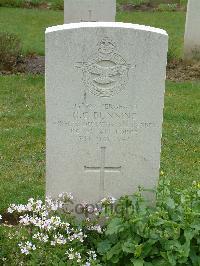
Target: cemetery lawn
point(22, 137)
point(30, 24)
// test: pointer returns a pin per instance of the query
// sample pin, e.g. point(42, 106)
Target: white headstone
point(104, 103)
point(89, 10)
point(192, 31)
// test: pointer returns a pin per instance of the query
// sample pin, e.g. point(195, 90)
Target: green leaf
point(160, 262)
point(137, 262)
point(115, 250)
point(115, 226)
point(147, 247)
point(170, 203)
point(138, 250)
point(103, 247)
point(128, 246)
point(171, 257)
point(194, 258)
point(148, 264)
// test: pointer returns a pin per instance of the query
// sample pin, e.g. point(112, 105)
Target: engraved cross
point(89, 17)
point(102, 169)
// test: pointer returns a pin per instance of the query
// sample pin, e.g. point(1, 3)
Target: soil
point(10, 219)
point(177, 70)
point(142, 7)
point(30, 5)
point(147, 7)
point(34, 65)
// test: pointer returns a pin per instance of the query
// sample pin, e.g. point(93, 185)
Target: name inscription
point(105, 123)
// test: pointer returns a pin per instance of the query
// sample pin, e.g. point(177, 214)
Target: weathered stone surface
point(104, 104)
point(192, 31)
point(89, 10)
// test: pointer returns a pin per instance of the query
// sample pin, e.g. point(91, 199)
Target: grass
point(180, 160)
point(30, 24)
point(172, 22)
point(22, 138)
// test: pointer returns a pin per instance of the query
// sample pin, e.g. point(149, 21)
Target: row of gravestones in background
point(104, 103)
point(105, 10)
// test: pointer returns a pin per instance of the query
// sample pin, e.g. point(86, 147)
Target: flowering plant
point(47, 233)
point(126, 232)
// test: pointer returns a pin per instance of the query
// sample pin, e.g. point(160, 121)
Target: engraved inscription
point(105, 73)
point(103, 123)
point(103, 169)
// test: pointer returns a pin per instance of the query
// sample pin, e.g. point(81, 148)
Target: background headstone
point(192, 31)
point(89, 10)
point(104, 103)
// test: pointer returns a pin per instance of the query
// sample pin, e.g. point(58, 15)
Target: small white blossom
point(77, 235)
point(66, 196)
point(53, 243)
point(60, 239)
point(92, 255)
point(108, 200)
point(26, 247)
point(95, 228)
point(73, 256)
point(25, 220)
point(42, 237)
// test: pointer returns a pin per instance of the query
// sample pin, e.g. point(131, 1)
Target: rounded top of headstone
point(105, 25)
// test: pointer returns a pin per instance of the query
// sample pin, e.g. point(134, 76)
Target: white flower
point(25, 220)
point(24, 251)
point(66, 196)
point(78, 256)
point(31, 200)
point(71, 256)
point(108, 200)
point(42, 237)
point(20, 208)
point(77, 235)
point(26, 247)
point(60, 195)
point(54, 206)
point(96, 227)
point(0, 217)
point(11, 209)
point(29, 207)
point(92, 255)
point(53, 243)
point(44, 214)
point(59, 239)
point(56, 221)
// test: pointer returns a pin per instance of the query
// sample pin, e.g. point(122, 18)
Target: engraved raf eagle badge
point(105, 73)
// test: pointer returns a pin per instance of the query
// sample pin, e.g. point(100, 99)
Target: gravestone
point(89, 10)
point(192, 31)
point(104, 103)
